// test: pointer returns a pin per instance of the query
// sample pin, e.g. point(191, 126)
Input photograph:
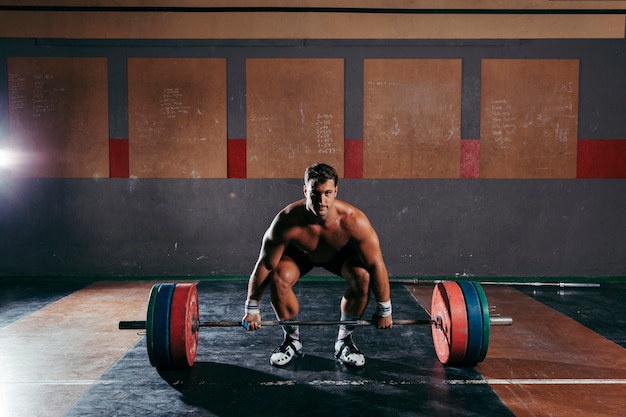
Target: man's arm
point(272, 249)
point(368, 246)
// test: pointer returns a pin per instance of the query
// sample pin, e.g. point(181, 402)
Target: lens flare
point(8, 158)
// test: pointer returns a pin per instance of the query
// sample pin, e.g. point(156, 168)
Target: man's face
point(320, 197)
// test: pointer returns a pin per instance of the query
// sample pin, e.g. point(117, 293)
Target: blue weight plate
point(161, 326)
point(486, 321)
point(475, 323)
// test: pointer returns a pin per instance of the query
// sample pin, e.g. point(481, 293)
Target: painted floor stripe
point(556, 381)
point(361, 382)
point(67, 382)
point(521, 381)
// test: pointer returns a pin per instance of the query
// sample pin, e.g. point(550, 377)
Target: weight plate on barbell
point(475, 323)
point(161, 324)
point(450, 329)
point(486, 321)
point(172, 324)
point(183, 325)
point(150, 322)
point(440, 314)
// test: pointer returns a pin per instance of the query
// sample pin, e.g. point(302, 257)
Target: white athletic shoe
point(347, 353)
point(286, 352)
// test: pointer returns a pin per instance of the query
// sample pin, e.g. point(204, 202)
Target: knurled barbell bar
point(460, 322)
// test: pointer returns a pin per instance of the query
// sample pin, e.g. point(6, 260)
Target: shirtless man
point(319, 231)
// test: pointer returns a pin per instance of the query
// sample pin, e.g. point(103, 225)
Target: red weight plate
point(440, 314)
point(184, 316)
point(450, 331)
point(459, 323)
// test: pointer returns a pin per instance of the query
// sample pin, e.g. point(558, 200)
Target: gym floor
point(61, 354)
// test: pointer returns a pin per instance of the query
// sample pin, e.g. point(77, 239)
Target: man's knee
point(363, 281)
point(359, 279)
point(284, 276)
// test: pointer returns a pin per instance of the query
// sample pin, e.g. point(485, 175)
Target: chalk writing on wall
point(502, 119)
point(39, 93)
point(172, 103)
point(294, 110)
point(411, 118)
point(58, 110)
point(17, 91)
point(177, 117)
point(324, 133)
point(529, 118)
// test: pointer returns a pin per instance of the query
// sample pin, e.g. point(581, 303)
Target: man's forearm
point(380, 283)
point(258, 283)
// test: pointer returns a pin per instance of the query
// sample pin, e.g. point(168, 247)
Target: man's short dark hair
point(320, 173)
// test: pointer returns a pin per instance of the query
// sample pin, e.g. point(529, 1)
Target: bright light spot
point(13, 159)
point(7, 158)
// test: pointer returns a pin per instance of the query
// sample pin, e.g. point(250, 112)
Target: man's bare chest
point(320, 240)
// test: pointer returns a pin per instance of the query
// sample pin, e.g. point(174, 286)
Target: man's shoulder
point(352, 217)
point(348, 210)
point(295, 209)
point(291, 215)
point(286, 221)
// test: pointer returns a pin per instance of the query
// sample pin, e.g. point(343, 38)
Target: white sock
point(346, 330)
point(292, 331)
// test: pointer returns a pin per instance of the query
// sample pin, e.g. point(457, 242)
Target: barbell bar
point(561, 284)
point(141, 324)
point(460, 322)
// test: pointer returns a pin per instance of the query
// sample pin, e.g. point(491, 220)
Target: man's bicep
point(370, 251)
point(368, 243)
point(274, 243)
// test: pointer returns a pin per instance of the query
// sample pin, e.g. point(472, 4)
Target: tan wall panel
point(294, 116)
point(529, 118)
point(177, 117)
point(305, 25)
point(412, 118)
point(58, 116)
point(393, 4)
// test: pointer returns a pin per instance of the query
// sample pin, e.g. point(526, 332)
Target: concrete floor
point(61, 354)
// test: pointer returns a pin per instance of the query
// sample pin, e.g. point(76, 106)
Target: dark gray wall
point(428, 228)
point(149, 227)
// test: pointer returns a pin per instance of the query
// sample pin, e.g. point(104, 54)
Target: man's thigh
point(299, 258)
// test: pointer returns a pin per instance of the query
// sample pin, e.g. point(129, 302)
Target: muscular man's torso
point(320, 241)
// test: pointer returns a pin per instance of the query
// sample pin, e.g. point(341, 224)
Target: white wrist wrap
point(383, 309)
point(252, 307)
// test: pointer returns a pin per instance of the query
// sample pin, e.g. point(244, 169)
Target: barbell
point(460, 324)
